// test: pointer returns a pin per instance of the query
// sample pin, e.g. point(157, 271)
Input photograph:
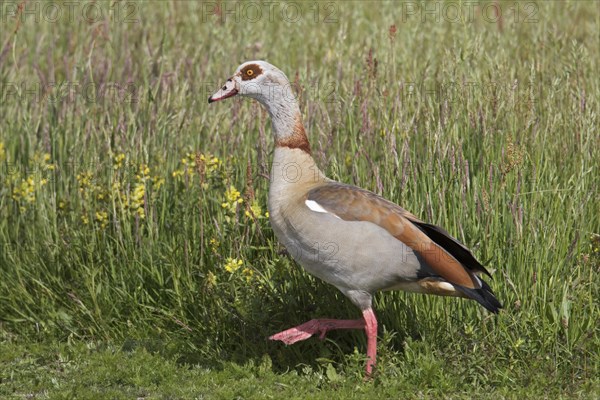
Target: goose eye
point(249, 72)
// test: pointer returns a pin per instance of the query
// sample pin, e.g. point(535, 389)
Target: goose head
point(258, 80)
point(265, 83)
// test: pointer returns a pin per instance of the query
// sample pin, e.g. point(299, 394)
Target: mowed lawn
point(137, 260)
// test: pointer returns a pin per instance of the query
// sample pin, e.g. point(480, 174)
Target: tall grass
point(121, 221)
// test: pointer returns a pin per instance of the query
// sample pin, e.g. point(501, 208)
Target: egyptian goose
point(349, 237)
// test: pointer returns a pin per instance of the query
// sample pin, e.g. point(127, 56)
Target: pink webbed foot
point(314, 326)
point(321, 326)
point(300, 332)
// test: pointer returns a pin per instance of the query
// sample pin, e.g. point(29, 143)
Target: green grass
point(115, 233)
point(91, 371)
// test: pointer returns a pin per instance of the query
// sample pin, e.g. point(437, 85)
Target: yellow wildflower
point(211, 279)
point(85, 181)
point(256, 210)
point(190, 162)
point(136, 201)
point(233, 195)
point(232, 199)
point(102, 218)
point(214, 244)
point(211, 163)
point(157, 182)
point(189, 159)
point(143, 172)
point(233, 264)
point(118, 161)
point(27, 188)
point(248, 274)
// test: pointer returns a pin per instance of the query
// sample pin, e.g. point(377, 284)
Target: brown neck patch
point(297, 140)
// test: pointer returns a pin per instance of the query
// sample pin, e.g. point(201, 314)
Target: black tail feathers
point(483, 296)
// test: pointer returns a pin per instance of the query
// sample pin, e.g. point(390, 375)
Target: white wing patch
point(446, 286)
point(316, 207)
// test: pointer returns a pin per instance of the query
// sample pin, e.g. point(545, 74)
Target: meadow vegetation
point(136, 255)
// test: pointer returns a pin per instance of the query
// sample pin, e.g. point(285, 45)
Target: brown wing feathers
point(354, 204)
point(444, 254)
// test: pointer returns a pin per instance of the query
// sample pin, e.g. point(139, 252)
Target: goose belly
point(352, 255)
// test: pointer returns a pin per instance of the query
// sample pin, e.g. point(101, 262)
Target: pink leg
point(321, 326)
point(371, 330)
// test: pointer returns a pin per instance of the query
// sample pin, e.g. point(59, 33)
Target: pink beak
point(228, 90)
